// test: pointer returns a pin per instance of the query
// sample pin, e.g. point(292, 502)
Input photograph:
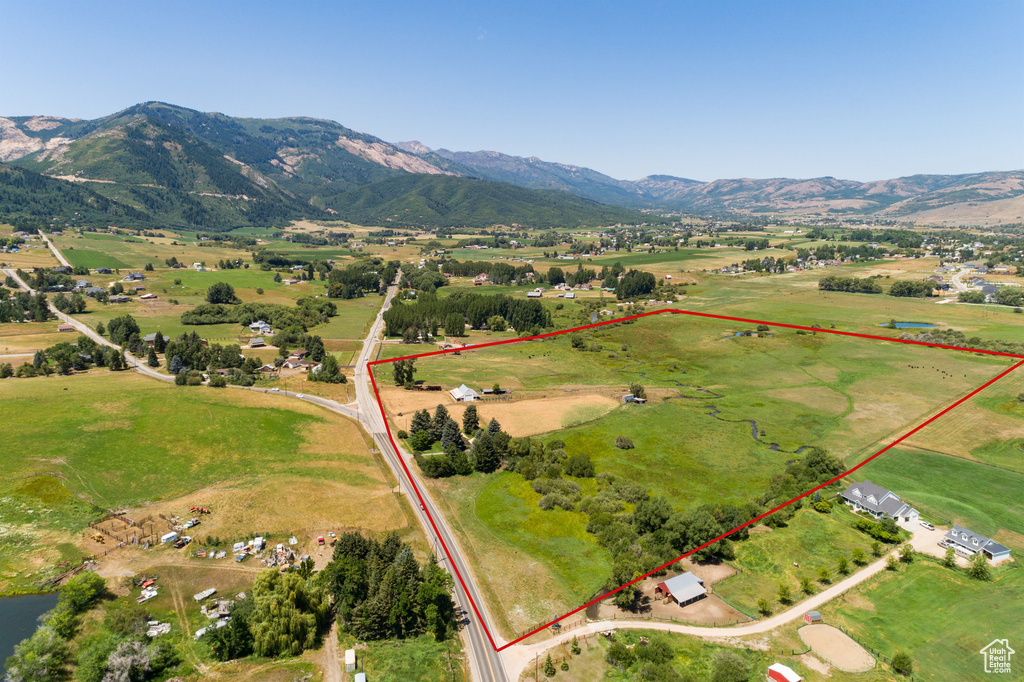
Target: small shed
point(782, 673)
point(812, 617)
point(65, 327)
point(350, 660)
point(360, 677)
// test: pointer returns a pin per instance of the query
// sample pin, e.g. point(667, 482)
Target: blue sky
point(859, 90)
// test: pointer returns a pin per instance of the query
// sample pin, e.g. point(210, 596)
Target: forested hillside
point(35, 198)
point(438, 201)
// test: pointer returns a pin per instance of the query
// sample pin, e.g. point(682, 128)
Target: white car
point(927, 525)
point(299, 395)
point(275, 390)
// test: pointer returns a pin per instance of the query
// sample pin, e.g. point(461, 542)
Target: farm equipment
point(198, 510)
point(97, 537)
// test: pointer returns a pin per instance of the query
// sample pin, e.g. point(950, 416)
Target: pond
point(20, 618)
point(908, 325)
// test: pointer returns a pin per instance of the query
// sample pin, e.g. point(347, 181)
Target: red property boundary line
point(896, 442)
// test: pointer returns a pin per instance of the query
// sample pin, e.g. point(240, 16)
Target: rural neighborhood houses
point(683, 589)
point(878, 502)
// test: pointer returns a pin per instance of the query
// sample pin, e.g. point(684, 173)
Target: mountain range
point(157, 163)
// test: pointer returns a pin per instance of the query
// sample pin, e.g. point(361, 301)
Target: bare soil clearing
point(519, 417)
point(833, 645)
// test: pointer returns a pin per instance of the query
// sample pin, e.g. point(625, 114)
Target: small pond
point(908, 325)
point(20, 618)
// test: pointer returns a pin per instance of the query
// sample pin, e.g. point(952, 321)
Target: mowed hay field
point(121, 440)
point(940, 616)
point(989, 428)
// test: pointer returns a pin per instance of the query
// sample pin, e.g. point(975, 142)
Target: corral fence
point(125, 530)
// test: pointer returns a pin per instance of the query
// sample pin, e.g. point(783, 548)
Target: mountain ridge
point(300, 165)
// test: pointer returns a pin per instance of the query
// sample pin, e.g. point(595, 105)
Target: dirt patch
point(816, 664)
point(837, 648)
point(519, 417)
point(709, 573)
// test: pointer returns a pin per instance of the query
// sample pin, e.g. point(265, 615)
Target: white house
point(969, 543)
point(878, 502)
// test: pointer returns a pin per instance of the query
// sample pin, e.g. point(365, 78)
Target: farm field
point(942, 617)
point(725, 414)
point(117, 440)
point(20, 338)
point(988, 429)
point(32, 254)
point(122, 251)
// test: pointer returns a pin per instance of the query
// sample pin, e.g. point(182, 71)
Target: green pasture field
point(795, 299)
point(546, 554)
point(108, 250)
point(843, 394)
point(840, 393)
point(939, 616)
point(811, 539)
point(118, 439)
point(983, 498)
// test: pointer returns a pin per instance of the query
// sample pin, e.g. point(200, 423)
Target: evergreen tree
point(470, 420)
point(159, 343)
point(493, 427)
point(151, 359)
point(451, 436)
point(549, 666)
point(420, 422)
point(485, 459)
point(175, 365)
point(440, 419)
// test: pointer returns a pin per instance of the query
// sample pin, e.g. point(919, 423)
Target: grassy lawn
point(423, 659)
point(810, 539)
point(935, 483)
point(547, 555)
point(940, 617)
